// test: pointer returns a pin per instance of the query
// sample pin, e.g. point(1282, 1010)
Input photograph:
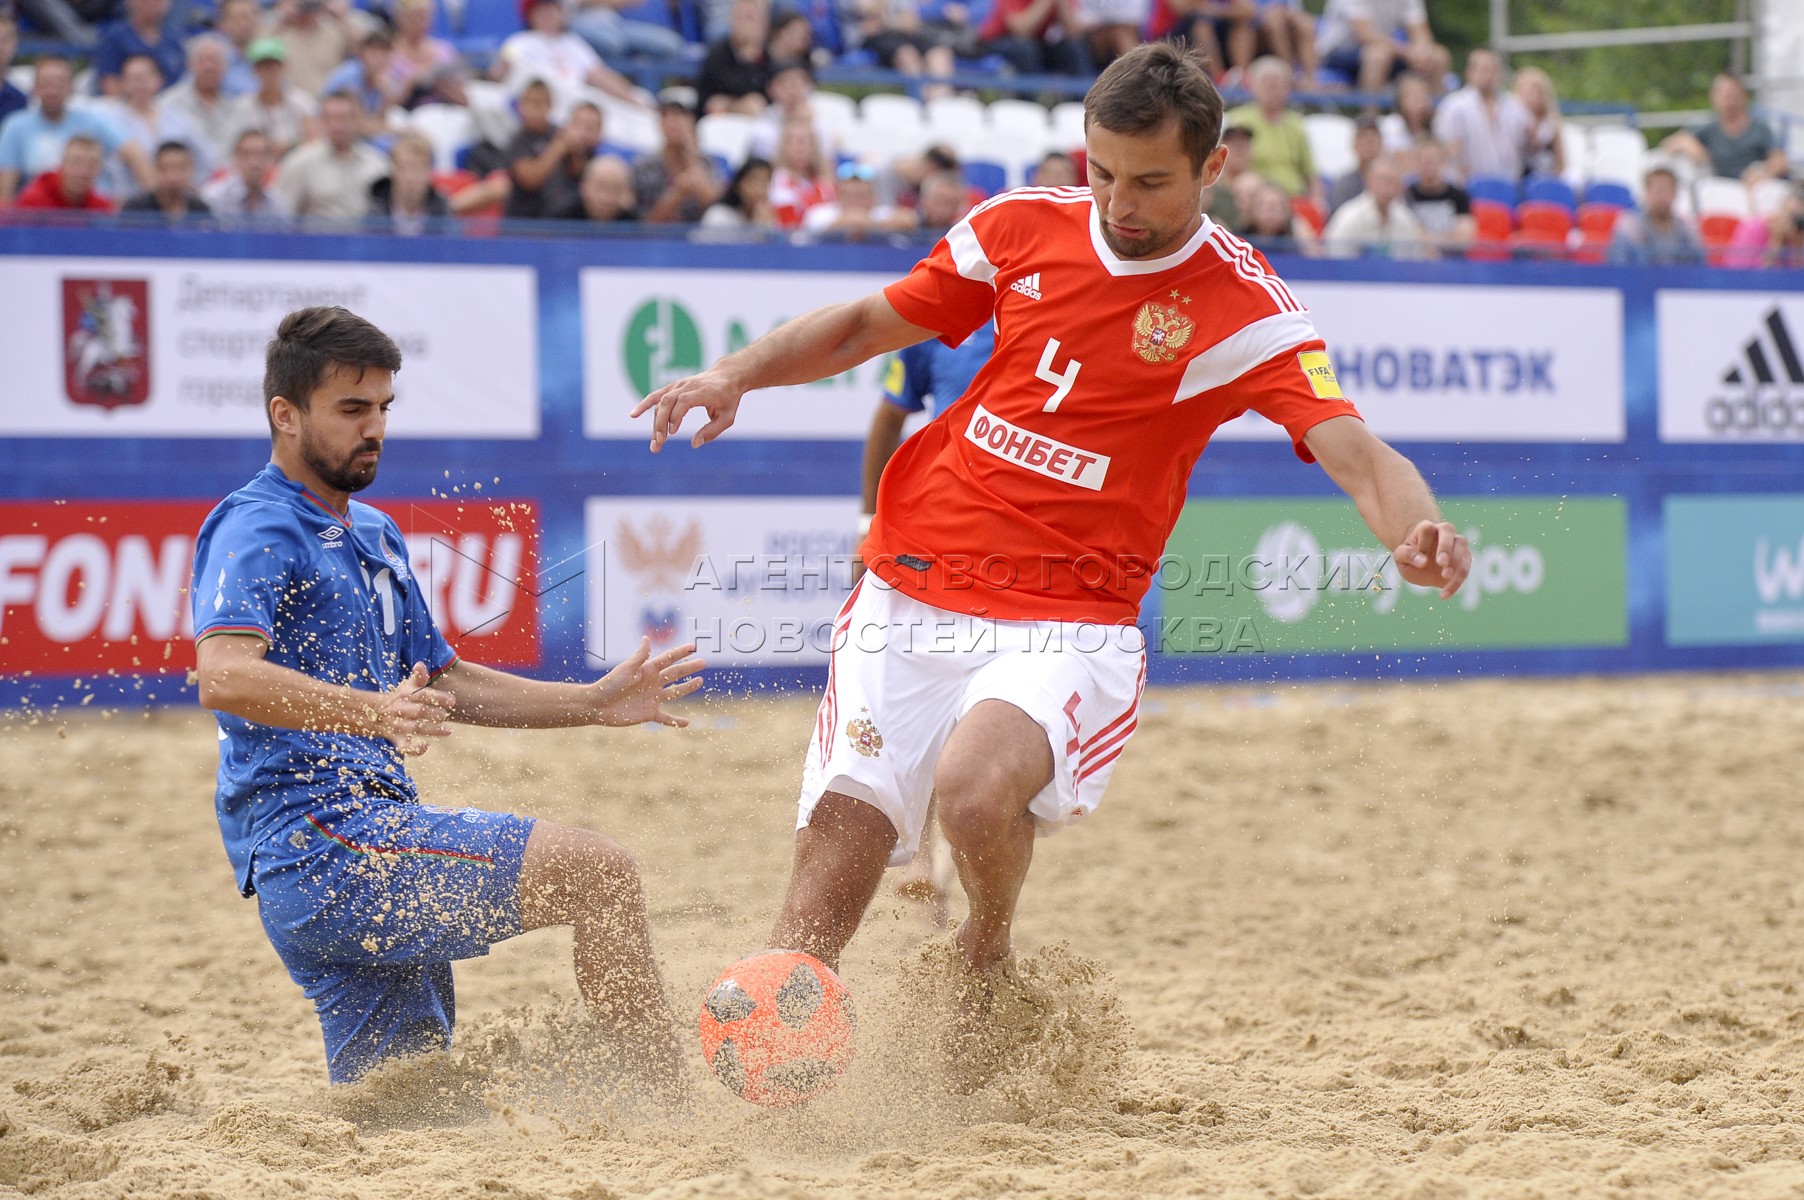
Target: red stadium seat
point(1715, 230)
point(1596, 223)
point(1304, 207)
point(1495, 225)
point(1545, 226)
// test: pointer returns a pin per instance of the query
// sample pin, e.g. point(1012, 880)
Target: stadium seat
point(1495, 224)
point(1067, 126)
point(448, 127)
point(1768, 195)
point(835, 111)
point(988, 177)
point(1330, 138)
point(1618, 154)
point(1715, 230)
point(954, 118)
point(898, 121)
point(1018, 118)
point(1615, 195)
point(1576, 148)
point(887, 109)
point(1596, 222)
point(1543, 225)
point(1549, 189)
point(1714, 194)
point(1312, 216)
point(1492, 188)
point(725, 135)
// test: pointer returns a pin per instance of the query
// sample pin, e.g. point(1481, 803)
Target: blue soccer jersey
point(931, 376)
point(334, 599)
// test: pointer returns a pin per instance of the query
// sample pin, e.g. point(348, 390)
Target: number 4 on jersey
point(1060, 380)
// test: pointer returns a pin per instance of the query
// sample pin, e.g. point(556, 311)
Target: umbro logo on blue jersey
point(332, 537)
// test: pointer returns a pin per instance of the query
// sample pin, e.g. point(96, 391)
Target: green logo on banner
point(1309, 577)
point(1734, 570)
point(662, 344)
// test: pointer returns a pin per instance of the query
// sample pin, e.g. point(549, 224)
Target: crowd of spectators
point(298, 110)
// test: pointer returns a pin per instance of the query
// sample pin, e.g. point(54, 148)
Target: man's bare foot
point(974, 1046)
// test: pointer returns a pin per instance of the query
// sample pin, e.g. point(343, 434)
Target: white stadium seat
point(889, 111)
point(726, 135)
point(950, 118)
point(1018, 118)
point(449, 127)
point(834, 111)
point(1577, 149)
point(1330, 143)
point(1067, 127)
point(1768, 195)
point(1714, 194)
point(626, 125)
point(1618, 155)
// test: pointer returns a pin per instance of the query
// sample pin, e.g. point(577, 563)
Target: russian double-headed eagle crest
point(862, 733)
point(1160, 332)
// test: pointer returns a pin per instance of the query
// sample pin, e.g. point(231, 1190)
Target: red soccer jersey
point(1047, 492)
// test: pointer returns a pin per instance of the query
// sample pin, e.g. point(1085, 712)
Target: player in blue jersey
point(318, 653)
point(927, 377)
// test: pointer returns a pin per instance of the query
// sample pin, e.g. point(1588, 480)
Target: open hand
point(414, 713)
point(637, 690)
point(1434, 555)
point(707, 391)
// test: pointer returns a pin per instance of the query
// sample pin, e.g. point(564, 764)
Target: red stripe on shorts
point(396, 851)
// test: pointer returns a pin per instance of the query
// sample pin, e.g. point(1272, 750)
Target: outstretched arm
point(813, 346)
point(631, 694)
point(1395, 503)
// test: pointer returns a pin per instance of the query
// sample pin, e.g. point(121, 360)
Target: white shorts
point(903, 673)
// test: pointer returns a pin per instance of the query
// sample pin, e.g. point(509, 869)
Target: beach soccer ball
point(777, 1028)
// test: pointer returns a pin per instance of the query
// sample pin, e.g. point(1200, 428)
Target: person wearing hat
point(679, 182)
point(547, 50)
point(281, 112)
point(316, 36)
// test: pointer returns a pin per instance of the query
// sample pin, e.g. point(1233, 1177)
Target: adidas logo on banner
point(1028, 285)
point(1763, 389)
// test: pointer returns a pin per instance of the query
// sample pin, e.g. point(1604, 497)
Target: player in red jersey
point(992, 661)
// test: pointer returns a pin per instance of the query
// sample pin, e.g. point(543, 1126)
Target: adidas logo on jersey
point(1028, 285)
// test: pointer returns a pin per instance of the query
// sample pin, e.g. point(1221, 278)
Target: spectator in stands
point(12, 99)
point(1414, 115)
point(417, 54)
point(281, 111)
point(1546, 151)
point(1035, 36)
point(1287, 28)
point(1220, 200)
point(800, 181)
point(600, 23)
point(943, 201)
point(547, 51)
point(1442, 206)
point(1657, 234)
point(145, 125)
point(899, 180)
point(1733, 143)
point(1055, 170)
point(141, 31)
point(1378, 221)
point(316, 36)
point(200, 101)
point(1210, 25)
point(896, 32)
point(235, 25)
point(791, 94)
point(1773, 240)
point(546, 163)
point(746, 203)
point(406, 195)
point(1487, 130)
point(1359, 39)
point(1280, 146)
point(854, 212)
point(679, 182)
point(172, 194)
point(1273, 226)
point(32, 140)
point(735, 71)
point(71, 186)
point(791, 39)
point(329, 178)
point(1368, 145)
point(246, 192)
point(1108, 29)
point(367, 77)
point(607, 190)
point(446, 84)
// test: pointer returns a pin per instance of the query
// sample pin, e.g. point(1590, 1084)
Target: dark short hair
point(173, 147)
point(84, 139)
point(309, 343)
point(1153, 84)
point(345, 95)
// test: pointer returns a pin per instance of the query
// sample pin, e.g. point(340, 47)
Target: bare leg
point(840, 858)
point(919, 879)
point(994, 764)
point(1375, 59)
point(1303, 28)
point(574, 877)
point(1243, 41)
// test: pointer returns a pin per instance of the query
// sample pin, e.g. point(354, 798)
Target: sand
point(1525, 938)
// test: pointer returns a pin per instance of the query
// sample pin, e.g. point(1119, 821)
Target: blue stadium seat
point(1494, 188)
point(653, 12)
point(1616, 195)
point(485, 19)
point(1550, 189)
point(989, 177)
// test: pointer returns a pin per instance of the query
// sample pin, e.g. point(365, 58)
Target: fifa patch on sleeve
point(1320, 374)
point(892, 377)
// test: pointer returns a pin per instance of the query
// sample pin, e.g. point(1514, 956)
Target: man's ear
point(1212, 166)
point(284, 414)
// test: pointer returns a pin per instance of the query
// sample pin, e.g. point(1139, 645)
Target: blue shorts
point(368, 906)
